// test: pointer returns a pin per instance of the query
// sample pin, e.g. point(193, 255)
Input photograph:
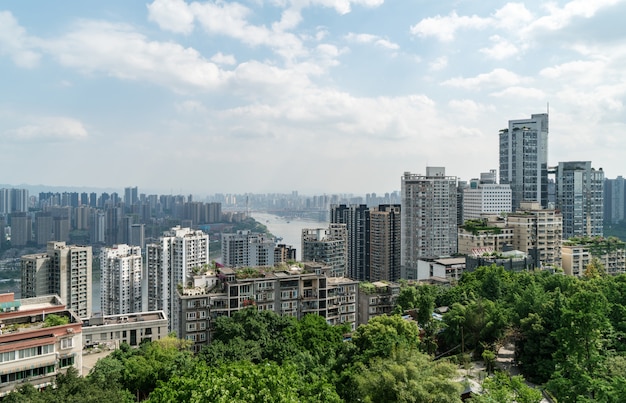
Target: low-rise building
point(377, 298)
point(450, 268)
point(39, 339)
point(578, 253)
point(132, 328)
point(513, 260)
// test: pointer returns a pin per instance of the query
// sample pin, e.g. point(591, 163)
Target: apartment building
point(538, 232)
point(132, 328)
point(121, 271)
point(64, 270)
point(328, 246)
point(245, 248)
point(489, 232)
point(377, 298)
point(578, 252)
point(32, 349)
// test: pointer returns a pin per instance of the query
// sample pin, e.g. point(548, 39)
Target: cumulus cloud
point(495, 78)
point(445, 27)
point(371, 39)
point(172, 15)
point(559, 17)
point(501, 48)
point(15, 43)
point(48, 129)
point(520, 92)
point(117, 50)
point(220, 58)
point(439, 63)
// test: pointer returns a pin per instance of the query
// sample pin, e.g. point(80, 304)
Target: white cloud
point(512, 16)
point(373, 39)
point(583, 72)
point(117, 50)
point(15, 43)
point(48, 129)
point(220, 58)
point(444, 28)
point(439, 63)
point(515, 92)
point(495, 78)
point(561, 17)
point(501, 48)
point(469, 109)
point(171, 15)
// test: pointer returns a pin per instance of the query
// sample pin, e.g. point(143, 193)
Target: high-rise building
point(524, 159)
point(64, 270)
point(21, 229)
point(357, 220)
point(485, 196)
point(428, 217)
point(138, 235)
point(328, 246)
point(244, 248)
point(168, 262)
point(384, 244)
point(579, 197)
point(130, 197)
point(121, 280)
point(44, 230)
point(614, 200)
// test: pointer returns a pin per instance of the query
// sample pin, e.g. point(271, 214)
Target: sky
point(317, 96)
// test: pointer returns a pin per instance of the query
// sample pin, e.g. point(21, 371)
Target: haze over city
point(315, 96)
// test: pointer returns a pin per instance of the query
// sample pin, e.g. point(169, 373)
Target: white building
point(328, 246)
point(245, 248)
point(485, 197)
point(169, 262)
point(121, 280)
point(428, 217)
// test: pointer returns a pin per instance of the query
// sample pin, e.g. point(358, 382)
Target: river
point(289, 229)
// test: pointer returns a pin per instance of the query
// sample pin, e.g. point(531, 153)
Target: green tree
point(382, 335)
point(501, 388)
point(406, 376)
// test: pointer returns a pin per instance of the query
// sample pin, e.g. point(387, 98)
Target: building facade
point(64, 270)
point(176, 255)
point(524, 159)
point(614, 200)
point(328, 246)
point(385, 243)
point(245, 248)
point(121, 271)
point(356, 217)
point(580, 198)
point(428, 217)
point(485, 196)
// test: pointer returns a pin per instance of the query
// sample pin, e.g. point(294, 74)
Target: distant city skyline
point(321, 96)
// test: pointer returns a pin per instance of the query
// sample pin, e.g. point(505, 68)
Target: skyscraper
point(614, 200)
point(524, 159)
point(428, 217)
point(357, 220)
point(169, 262)
point(580, 197)
point(64, 270)
point(245, 248)
point(384, 245)
point(121, 280)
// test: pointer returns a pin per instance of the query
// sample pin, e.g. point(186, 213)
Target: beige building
point(64, 270)
point(487, 233)
point(538, 232)
point(33, 350)
point(579, 252)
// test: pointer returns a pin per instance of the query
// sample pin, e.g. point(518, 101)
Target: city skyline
point(234, 97)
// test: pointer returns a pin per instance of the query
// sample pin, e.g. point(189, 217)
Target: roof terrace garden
point(480, 226)
point(33, 322)
point(597, 245)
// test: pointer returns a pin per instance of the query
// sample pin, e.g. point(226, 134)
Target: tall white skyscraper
point(524, 159)
point(121, 280)
point(428, 217)
point(169, 262)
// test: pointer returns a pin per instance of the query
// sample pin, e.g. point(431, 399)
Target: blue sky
point(319, 96)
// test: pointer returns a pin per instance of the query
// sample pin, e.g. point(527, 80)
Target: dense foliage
point(568, 335)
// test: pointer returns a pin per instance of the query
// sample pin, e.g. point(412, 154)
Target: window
point(66, 362)
point(191, 315)
point(67, 343)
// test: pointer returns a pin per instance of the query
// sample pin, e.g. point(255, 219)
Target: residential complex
point(177, 254)
point(121, 271)
point(40, 339)
point(245, 248)
point(356, 217)
point(614, 200)
point(579, 252)
point(385, 244)
point(327, 246)
point(64, 270)
point(428, 217)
